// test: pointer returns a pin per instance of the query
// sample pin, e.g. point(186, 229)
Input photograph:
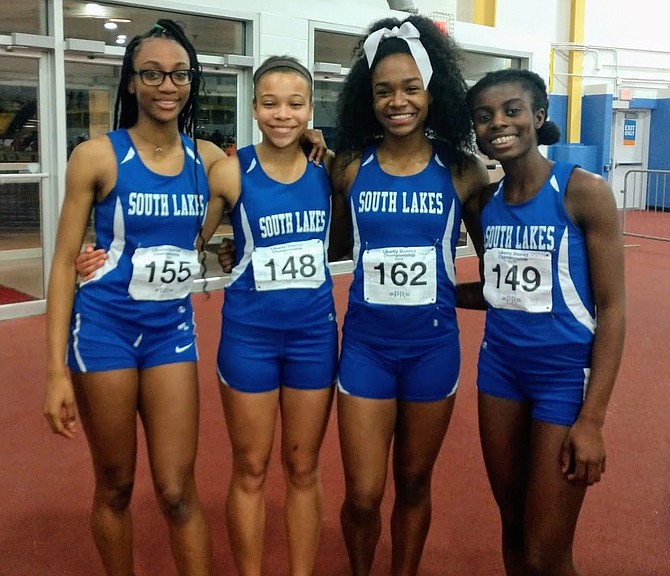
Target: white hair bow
point(409, 33)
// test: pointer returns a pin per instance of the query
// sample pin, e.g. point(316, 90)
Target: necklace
point(158, 149)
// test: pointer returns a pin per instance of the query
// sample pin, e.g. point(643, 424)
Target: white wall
point(627, 43)
point(642, 24)
point(546, 18)
point(627, 46)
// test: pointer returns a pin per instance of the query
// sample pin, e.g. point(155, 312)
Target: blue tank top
point(148, 224)
point(536, 271)
point(405, 232)
point(280, 279)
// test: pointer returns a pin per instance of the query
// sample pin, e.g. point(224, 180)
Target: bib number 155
point(163, 273)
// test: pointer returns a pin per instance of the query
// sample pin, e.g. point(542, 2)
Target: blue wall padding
point(659, 131)
point(596, 128)
point(585, 156)
point(558, 113)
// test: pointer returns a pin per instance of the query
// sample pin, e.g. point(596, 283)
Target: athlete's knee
point(114, 492)
point(301, 472)
point(512, 512)
point(361, 505)
point(412, 488)
point(250, 473)
point(541, 560)
point(176, 499)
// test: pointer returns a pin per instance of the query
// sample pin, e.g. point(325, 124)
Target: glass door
point(23, 183)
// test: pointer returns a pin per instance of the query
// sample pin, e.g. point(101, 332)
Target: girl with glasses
point(278, 348)
point(123, 344)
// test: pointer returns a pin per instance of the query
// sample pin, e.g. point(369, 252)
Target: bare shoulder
point(328, 160)
point(92, 164)
point(225, 178)
point(226, 165)
point(97, 151)
point(589, 197)
point(470, 178)
point(209, 152)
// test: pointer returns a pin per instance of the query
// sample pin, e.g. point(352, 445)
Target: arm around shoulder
point(471, 186)
point(210, 153)
point(342, 170)
point(225, 183)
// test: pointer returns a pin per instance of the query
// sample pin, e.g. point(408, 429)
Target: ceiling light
point(94, 9)
point(111, 25)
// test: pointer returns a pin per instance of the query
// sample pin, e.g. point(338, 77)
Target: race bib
point(163, 273)
point(400, 276)
point(518, 279)
point(290, 265)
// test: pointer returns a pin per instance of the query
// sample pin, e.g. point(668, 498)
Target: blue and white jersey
point(405, 231)
point(280, 278)
point(148, 224)
point(536, 269)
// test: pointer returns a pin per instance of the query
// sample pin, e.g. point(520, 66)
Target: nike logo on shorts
point(180, 349)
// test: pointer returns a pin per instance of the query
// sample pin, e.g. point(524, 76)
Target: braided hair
point(125, 109)
point(548, 133)
point(448, 120)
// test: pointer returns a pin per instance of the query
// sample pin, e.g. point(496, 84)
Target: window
point(116, 25)
point(27, 16)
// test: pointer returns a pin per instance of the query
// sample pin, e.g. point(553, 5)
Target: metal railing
point(646, 204)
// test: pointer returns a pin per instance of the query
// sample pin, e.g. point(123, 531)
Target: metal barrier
point(646, 204)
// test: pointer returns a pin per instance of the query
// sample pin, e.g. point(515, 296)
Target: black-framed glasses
point(157, 77)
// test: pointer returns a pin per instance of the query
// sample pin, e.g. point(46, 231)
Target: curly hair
point(125, 109)
point(548, 133)
point(448, 120)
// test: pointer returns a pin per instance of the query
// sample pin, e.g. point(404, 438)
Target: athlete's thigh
point(309, 357)
point(107, 406)
point(248, 358)
point(420, 431)
point(367, 371)
point(304, 418)
point(251, 419)
point(552, 502)
point(429, 373)
point(556, 380)
point(169, 407)
point(99, 344)
point(504, 429)
point(366, 427)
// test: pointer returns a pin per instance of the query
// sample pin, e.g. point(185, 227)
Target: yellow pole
point(484, 12)
point(575, 71)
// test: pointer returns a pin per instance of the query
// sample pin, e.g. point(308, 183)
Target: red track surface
point(624, 529)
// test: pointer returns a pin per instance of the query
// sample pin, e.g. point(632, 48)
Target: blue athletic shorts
point(99, 344)
point(256, 359)
point(553, 378)
point(412, 373)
